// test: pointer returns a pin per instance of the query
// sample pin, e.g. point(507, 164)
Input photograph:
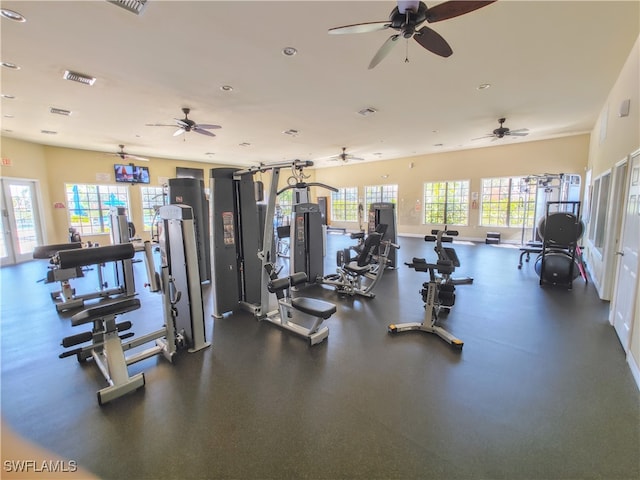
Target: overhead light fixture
point(365, 112)
point(289, 51)
point(210, 153)
point(12, 15)
point(8, 115)
point(8, 97)
point(60, 111)
point(133, 6)
point(483, 86)
point(226, 88)
point(438, 144)
point(49, 132)
point(79, 77)
point(244, 144)
point(10, 65)
point(291, 132)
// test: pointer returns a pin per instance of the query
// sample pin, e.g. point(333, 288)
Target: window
point(152, 198)
point(380, 193)
point(599, 207)
point(284, 206)
point(89, 206)
point(344, 205)
point(507, 202)
point(446, 203)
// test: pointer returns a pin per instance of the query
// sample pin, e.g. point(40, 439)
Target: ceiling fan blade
point(433, 41)
point(135, 157)
point(454, 8)
point(518, 134)
point(383, 51)
point(181, 123)
point(203, 132)
point(360, 28)
point(180, 131)
point(208, 126)
point(485, 136)
point(519, 130)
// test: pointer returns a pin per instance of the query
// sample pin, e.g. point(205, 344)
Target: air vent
point(133, 6)
point(78, 77)
point(60, 111)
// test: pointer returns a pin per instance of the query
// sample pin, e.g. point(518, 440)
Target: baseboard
point(635, 369)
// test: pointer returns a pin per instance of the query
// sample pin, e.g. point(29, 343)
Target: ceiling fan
point(187, 125)
point(344, 157)
point(127, 156)
point(407, 17)
point(503, 131)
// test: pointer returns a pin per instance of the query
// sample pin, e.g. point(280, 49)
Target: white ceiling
point(550, 64)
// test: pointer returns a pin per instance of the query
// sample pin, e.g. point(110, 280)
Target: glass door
point(20, 221)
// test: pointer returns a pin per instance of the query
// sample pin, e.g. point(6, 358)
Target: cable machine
point(243, 256)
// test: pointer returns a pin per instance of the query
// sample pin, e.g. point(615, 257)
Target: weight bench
point(70, 260)
point(106, 348)
point(318, 310)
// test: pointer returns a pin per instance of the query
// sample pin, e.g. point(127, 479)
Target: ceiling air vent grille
point(78, 77)
point(133, 6)
point(60, 111)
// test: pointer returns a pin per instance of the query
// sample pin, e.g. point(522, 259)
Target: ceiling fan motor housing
point(408, 21)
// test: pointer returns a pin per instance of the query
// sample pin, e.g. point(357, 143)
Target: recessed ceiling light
point(12, 15)
point(7, 130)
point(438, 144)
point(483, 86)
point(226, 88)
point(8, 97)
point(244, 144)
point(289, 51)
point(49, 132)
point(210, 153)
point(291, 132)
point(8, 115)
point(12, 66)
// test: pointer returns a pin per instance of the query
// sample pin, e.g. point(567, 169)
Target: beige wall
point(512, 158)
point(621, 139)
point(54, 166)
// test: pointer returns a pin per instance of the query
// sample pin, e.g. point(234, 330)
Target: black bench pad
point(313, 306)
point(100, 311)
point(48, 251)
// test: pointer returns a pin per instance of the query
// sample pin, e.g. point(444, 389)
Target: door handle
point(620, 253)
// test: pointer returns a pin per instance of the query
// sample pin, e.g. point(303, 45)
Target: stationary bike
point(438, 294)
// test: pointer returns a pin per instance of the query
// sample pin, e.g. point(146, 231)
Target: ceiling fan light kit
point(406, 18)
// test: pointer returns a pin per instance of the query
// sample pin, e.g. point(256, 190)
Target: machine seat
point(314, 307)
point(357, 269)
point(101, 311)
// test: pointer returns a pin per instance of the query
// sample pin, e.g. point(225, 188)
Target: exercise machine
point(384, 213)
point(438, 294)
point(558, 262)
point(60, 270)
point(316, 310)
point(438, 297)
point(183, 312)
point(307, 242)
point(243, 254)
point(360, 275)
point(447, 254)
point(190, 191)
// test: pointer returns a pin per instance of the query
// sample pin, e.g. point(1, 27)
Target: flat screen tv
point(131, 173)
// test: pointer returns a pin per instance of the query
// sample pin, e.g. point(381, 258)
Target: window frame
point(517, 211)
point(93, 206)
point(344, 205)
point(450, 189)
